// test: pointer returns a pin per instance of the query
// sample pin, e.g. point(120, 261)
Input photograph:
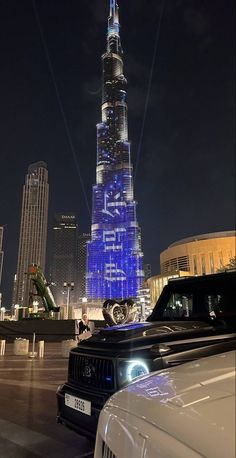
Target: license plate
point(78, 404)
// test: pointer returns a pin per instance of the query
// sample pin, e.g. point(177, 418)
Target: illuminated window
point(221, 259)
point(211, 263)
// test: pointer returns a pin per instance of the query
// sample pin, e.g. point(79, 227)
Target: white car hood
point(195, 403)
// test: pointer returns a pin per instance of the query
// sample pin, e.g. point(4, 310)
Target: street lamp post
point(70, 286)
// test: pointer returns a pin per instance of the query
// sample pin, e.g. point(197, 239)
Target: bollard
point(41, 349)
point(21, 346)
point(66, 345)
point(33, 353)
point(2, 347)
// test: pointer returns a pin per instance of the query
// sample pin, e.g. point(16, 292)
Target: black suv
point(194, 317)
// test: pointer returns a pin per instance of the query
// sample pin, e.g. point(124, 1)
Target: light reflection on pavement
point(28, 427)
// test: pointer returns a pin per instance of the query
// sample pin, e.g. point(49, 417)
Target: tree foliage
point(231, 265)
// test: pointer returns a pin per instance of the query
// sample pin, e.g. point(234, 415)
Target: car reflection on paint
point(187, 411)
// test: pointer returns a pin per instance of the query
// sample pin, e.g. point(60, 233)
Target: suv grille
point(87, 370)
point(106, 451)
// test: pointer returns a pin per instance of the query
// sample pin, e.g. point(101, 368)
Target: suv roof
point(205, 278)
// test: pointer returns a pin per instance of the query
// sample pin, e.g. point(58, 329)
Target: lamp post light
point(70, 286)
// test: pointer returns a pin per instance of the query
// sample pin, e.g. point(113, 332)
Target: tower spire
point(113, 20)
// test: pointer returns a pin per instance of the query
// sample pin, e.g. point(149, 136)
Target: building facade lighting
point(114, 256)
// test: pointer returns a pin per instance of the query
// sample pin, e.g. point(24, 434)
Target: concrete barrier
point(66, 345)
point(21, 347)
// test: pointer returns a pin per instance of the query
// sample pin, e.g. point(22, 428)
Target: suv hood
point(148, 331)
point(195, 402)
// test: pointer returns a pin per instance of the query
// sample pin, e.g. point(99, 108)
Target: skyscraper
point(115, 258)
point(33, 228)
point(64, 256)
point(147, 271)
point(1, 252)
point(82, 263)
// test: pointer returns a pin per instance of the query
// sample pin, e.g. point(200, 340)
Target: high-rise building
point(33, 228)
point(1, 253)
point(64, 257)
point(147, 271)
point(115, 259)
point(82, 263)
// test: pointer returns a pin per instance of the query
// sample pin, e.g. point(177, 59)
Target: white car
point(182, 412)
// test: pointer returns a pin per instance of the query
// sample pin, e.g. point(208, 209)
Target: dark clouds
point(197, 21)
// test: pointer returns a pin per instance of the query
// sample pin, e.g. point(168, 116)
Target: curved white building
point(201, 254)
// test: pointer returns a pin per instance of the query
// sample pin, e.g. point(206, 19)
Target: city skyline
point(185, 172)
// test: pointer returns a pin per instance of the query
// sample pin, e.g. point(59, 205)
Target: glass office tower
point(33, 229)
point(83, 239)
point(1, 253)
point(64, 257)
point(114, 256)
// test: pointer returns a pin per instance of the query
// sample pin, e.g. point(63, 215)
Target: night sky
point(185, 181)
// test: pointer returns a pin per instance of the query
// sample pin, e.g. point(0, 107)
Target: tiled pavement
point(28, 427)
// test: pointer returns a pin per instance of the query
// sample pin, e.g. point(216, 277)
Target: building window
point(195, 264)
point(212, 269)
point(221, 259)
point(180, 263)
point(183, 263)
point(203, 261)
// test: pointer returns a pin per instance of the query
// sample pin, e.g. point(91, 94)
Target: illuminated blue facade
point(114, 256)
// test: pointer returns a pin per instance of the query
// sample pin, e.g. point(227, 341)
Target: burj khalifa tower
point(114, 254)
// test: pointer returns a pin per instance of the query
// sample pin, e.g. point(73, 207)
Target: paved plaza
point(28, 427)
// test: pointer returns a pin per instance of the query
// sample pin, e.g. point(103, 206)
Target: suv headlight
point(129, 370)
